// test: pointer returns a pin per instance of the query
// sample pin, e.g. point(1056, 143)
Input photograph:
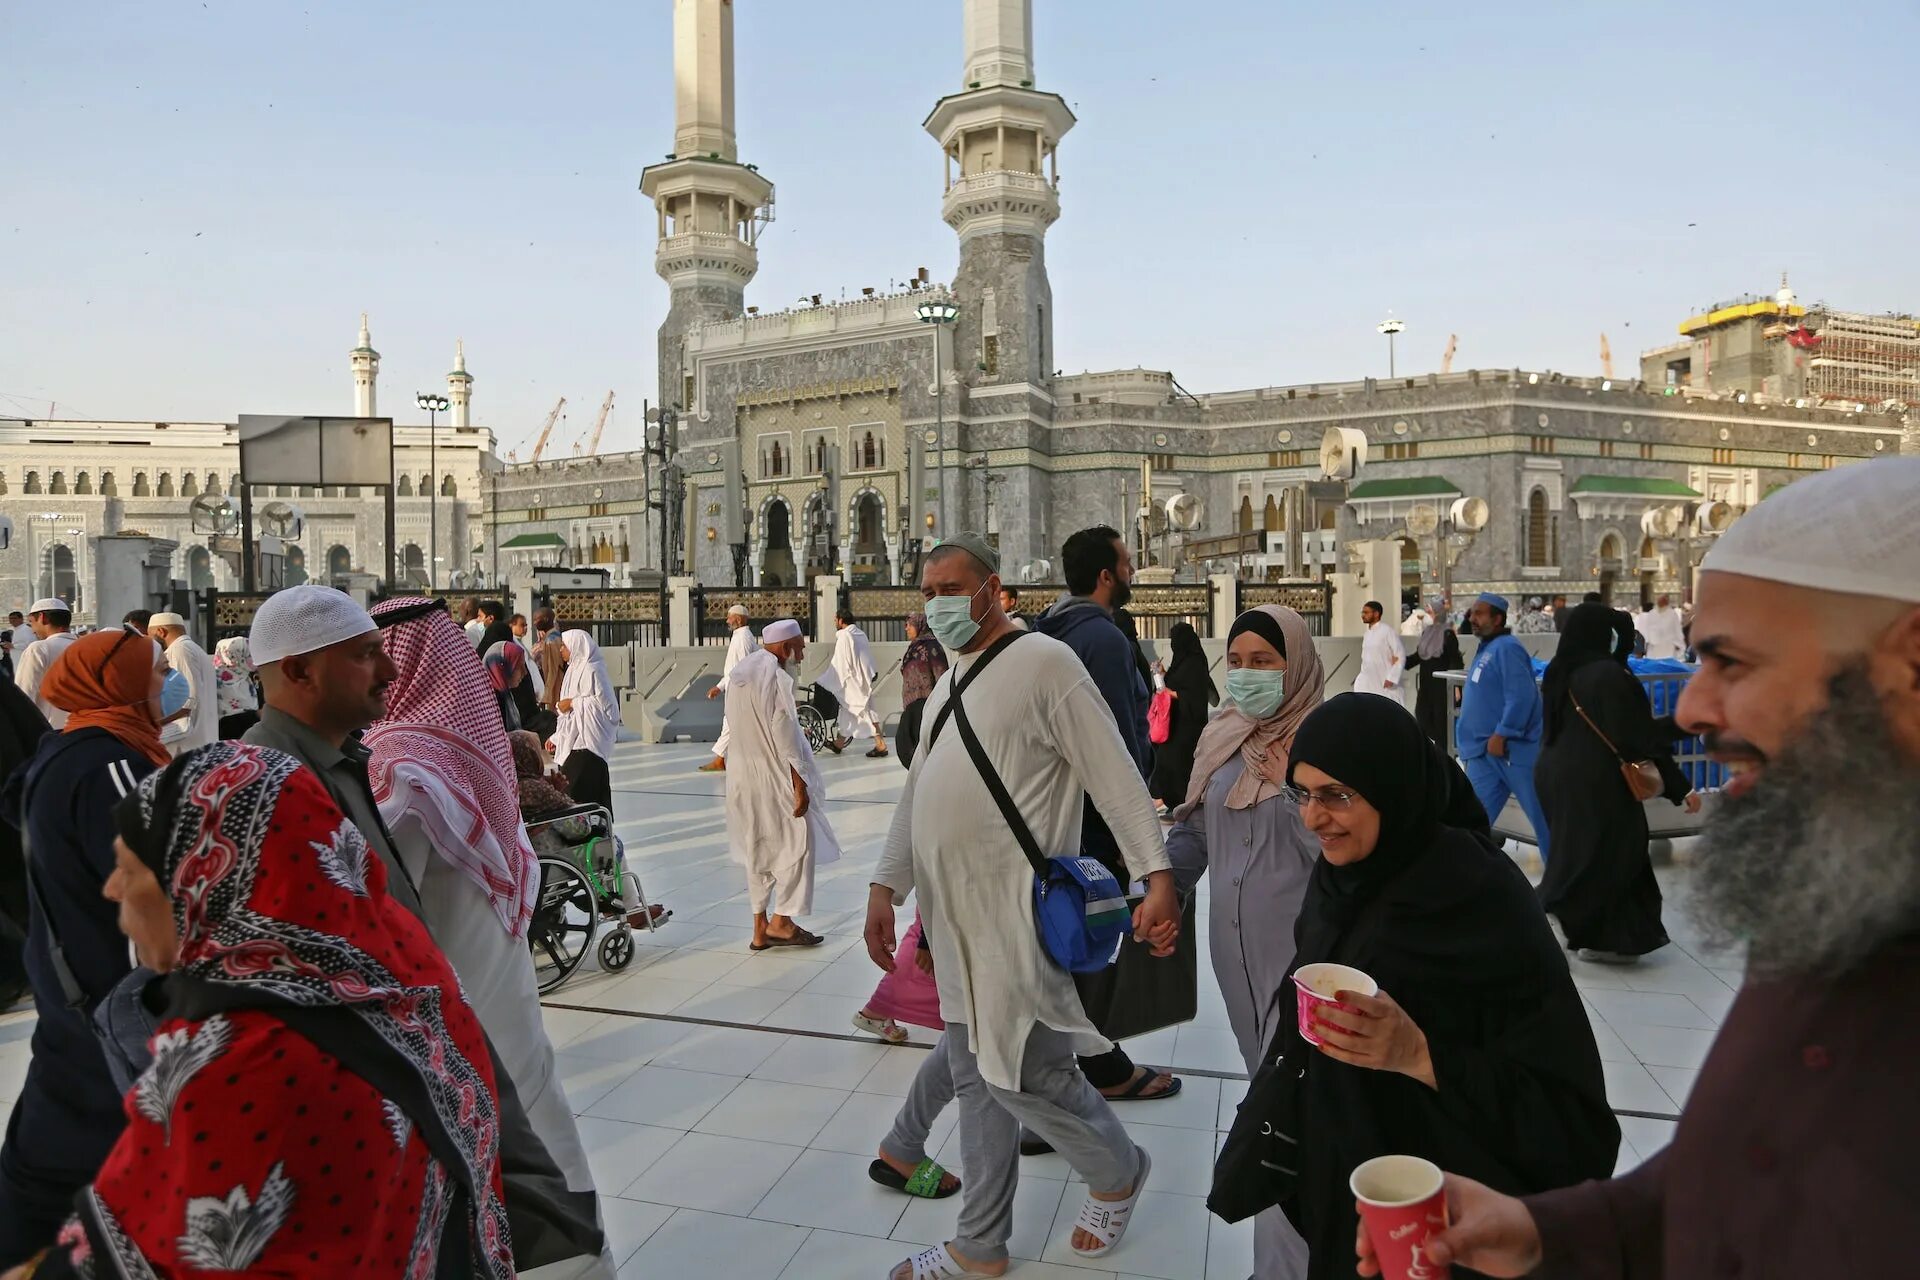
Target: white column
point(1226, 602)
point(826, 599)
point(680, 613)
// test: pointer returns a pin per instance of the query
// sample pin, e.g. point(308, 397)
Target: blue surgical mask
point(951, 620)
point(1257, 692)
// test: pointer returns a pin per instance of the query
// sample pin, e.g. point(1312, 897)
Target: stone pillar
point(1910, 434)
point(826, 598)
point(680, 631)
point(1226, 603)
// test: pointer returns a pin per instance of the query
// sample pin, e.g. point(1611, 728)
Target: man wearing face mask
point(777, 826)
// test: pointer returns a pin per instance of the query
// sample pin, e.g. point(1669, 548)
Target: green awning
point(1633, 486)
point(527, 541)
point(1403, 487)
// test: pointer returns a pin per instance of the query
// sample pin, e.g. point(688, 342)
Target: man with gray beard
point(1795, 1154)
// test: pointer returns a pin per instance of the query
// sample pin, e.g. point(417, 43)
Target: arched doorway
point(59, 579)
point(199, 568)
point(296, 565)
point(413, 569)
point(339, 561)
point(776, 558)
point(1649, 562)
point(813, 520)
point(866, 536)
point(1609, 566)
point(1410, 564)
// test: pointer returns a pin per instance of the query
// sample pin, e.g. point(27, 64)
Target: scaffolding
point(1868, 361)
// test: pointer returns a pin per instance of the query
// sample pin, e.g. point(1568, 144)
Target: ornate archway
point(777, 568)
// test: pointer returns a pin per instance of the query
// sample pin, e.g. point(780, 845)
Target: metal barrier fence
point(1159, 607)
point(882, 612)
point(1313, 601)
point(763, 605)
point(225, 614)
point(615, 616)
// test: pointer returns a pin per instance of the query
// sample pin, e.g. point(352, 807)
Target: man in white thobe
point(849, 678)
point(1383, 659)
point(200, 726)
point(49, 619)
point(1013, 1017)
point(739, 645)
point(776, 821)
point(1663, 630)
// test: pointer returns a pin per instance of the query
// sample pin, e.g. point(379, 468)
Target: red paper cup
point(1403, 1203)
point(1314, 985)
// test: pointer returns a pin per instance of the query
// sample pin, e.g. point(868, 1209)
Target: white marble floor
point(730, 1111)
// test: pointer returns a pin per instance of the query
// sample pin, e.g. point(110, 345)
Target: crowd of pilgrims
point(329, 1054)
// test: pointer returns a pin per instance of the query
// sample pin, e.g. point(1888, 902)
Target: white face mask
point(951, 619)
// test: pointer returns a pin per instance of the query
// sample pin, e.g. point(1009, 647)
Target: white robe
point(30, 670)
point(1415, 623)
point(739, 645)
point(849, 677)
point(1050, 736)
point(593, 721)
point(202, 727)
point(1662, 629)
point(1383, 663)
point(767, 748)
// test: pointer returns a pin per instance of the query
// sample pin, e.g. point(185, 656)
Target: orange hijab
point(102, 682)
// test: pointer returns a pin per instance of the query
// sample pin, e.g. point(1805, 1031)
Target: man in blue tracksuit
point(1498, 732)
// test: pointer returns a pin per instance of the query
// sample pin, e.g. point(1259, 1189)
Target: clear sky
point(200, 198)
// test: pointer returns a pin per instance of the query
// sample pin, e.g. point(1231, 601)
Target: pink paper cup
point(1403, 1203)
point(1314, 985)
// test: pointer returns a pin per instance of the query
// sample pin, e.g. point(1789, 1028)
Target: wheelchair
point(580, 891)
point(819, 714)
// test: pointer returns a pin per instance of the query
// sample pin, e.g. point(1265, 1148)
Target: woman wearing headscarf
point(506, 664)
point(1600, 883)
point(443, 778)
point(1475, 1053)
point(320, 1101)
point(1438, 650)
point(1193, 697)
point(61, 800)
point(1235, 821)
point(589, 722)
point(925, 662)
point(237, 695)
point(543, 793)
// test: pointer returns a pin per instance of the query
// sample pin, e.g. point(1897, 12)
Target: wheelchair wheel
point(616, 950)
point(818, 728)
point(564, 916)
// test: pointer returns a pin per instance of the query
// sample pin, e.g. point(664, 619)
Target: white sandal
point(1106, 1220)
point(890, 1031)
point(936, 1263)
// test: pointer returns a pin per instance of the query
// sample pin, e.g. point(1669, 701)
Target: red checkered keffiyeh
point(441, 758)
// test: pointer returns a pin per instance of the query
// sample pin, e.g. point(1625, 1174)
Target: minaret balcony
point(712, 255)
point(1001, 200)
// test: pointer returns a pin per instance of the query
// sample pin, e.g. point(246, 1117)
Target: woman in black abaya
point(1476, 1053)
point(1600, 883)
point(1194, 697)
point(1437, 651)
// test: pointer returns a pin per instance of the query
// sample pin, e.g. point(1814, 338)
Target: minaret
point(708, 206)
point(459, 386)
point(1000, 136)
point(366, 372)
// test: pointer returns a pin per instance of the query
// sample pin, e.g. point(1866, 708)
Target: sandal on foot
point(1106, 1220)
point(924, 1183)
point(889, 1030)
point(798, 938)
point(1136, 1091)
point(937, 1264)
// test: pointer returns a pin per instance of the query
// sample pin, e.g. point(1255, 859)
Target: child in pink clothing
point(907, 994)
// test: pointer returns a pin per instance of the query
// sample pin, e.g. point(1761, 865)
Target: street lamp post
point(434, 405)
point(1390, 326)
point(938, 314)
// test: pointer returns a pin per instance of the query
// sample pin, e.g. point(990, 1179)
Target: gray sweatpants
point(1054, 1100)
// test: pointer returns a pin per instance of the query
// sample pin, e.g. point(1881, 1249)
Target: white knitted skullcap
point(1848, 530)
point(50, 605)
point(736, 611)
point(785, 629)
point(166, 620)
point(305, 619)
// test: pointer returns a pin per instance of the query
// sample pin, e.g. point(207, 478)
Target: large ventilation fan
point(1422, 520)
point(1713, 517)
point(1185, 511)
point(1469, 515)
point(1343, 451)
point(1662, 522)
point(213, 513)
point(282, 520)
point(1036, 570)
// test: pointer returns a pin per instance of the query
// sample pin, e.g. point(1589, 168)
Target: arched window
point(140, 487)
point(189, 485)
point(33, 482)
point(1270, 516)
point(3, 482)
point(867, 452)
point(1540, 548)
point(413, 563)
point(109, 488)
point(199, 568)
point(82, 483)
point(234, 487)
point(212, 485)
point(425, 487)
point(166, 485)
point(1245, 523)
point(405, 488)
point(447, 487)
point(339, 561)
point(58, 484)
point(779, 463)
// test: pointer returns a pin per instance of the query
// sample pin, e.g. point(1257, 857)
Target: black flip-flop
point(799, 938)
point(925, 1182)
point(1137, 1091)
point(876, 754)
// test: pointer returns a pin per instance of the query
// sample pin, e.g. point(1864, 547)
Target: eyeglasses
point(1332, 799)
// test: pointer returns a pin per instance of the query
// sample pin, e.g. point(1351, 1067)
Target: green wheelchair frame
point(576, 896)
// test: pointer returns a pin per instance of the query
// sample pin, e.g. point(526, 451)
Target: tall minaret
point(366, 372)
point(459, 386)
point(708, 206)
point(1002, 177)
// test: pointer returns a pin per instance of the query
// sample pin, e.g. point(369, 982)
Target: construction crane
point(599, 425)
point(1606, 358)
point(540, 445)
point(1446, 359)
